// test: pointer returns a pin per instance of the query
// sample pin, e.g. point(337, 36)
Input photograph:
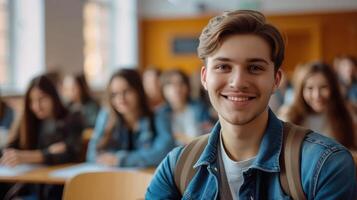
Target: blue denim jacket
point(327, 170)
point(7, 118)
point(150, 149)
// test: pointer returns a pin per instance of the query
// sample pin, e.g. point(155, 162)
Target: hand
point(107, 159)
point(57, 148)
point(11, 157)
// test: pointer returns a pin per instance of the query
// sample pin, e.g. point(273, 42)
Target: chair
point(125, 185)
point(86, 136)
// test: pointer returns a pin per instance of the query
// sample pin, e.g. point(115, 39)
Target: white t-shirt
point(184, 122)
point(234, 170)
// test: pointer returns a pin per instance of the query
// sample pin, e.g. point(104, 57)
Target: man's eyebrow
point(224, 59)
point(257, 60)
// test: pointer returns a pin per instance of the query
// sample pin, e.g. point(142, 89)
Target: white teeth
point(238, 98)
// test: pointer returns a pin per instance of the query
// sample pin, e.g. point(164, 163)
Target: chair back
point(125, 185)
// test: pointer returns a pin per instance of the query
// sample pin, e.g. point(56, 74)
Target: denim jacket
point(7, 118)
point(327, 170)
point(150, 147)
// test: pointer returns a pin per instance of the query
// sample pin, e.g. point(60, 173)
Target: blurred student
point(129, 134)
point(346, 68)
point(6, 119)
point(188, 118)
point(319, 105)
point(283, 95)
point(6, 115)
point(47, 133)
point(151, 82)
point(78, 96)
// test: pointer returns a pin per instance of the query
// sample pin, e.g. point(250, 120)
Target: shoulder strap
point(293, 137)
point(184, 170)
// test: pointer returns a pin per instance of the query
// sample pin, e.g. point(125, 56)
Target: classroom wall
point(309, 37)
point(64, 35)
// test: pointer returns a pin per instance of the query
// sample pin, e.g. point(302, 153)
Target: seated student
point(188, 118)
point(151, 82)
point(319, 105)
point(78, 96)
point(242, 55)
point(47, 133)
point(6, 119)
point(6, 115)
point(129, 135)
point(346, 68)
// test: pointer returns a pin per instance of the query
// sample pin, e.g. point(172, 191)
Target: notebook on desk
point(72, 171)
point(19, 169)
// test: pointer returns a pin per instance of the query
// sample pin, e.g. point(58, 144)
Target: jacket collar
point(269, 152)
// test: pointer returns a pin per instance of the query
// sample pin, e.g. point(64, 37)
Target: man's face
point(239, 78)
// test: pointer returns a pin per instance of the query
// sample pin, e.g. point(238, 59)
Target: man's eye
point(222, 67)
point(255, 68)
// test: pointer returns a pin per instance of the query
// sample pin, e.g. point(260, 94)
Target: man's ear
point(277, 79)
point(203, 76)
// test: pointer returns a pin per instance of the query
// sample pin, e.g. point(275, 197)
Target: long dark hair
point(29, 124)
point(337, 114)
point(133, 78)
point(2, 108)
point(84, 91)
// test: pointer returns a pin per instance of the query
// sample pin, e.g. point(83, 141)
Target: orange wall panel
point(308, 37)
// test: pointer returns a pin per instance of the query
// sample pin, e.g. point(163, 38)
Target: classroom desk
point(42, 175)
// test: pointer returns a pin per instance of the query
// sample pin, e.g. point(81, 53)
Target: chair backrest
point(124, 185)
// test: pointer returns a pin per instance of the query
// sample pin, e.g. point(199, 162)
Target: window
point(96, 41)
point(4, 69)
point(110, 38)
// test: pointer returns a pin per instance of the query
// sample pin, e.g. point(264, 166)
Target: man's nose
point(238, 79)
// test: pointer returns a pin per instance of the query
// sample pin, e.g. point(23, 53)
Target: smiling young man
point(242, 55)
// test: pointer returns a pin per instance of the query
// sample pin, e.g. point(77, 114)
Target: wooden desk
point(42, 175)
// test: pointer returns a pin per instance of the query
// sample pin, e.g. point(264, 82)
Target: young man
point(242, 56)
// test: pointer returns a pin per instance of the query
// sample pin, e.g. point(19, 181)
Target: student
point(346, 68)
point(6, 115)
point(129, 135)
point(151, 82)
point(46, 133)
point(242, 54)
point(188, 118)
point(6, 119)
point(319, 105)
point(78, 96)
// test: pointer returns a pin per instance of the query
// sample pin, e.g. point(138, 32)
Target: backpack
point(293, 136)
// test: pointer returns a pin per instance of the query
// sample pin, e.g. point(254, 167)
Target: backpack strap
point(290, 180)
point(293, 137)
point(184, 170)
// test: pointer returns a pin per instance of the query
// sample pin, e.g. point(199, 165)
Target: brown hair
point(28, 127)
point(85, 94)
point(2, 108)
point(240, 22)
point(342, 125)
point(133, 78)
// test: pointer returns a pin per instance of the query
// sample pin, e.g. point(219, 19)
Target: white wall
point(64, 35)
